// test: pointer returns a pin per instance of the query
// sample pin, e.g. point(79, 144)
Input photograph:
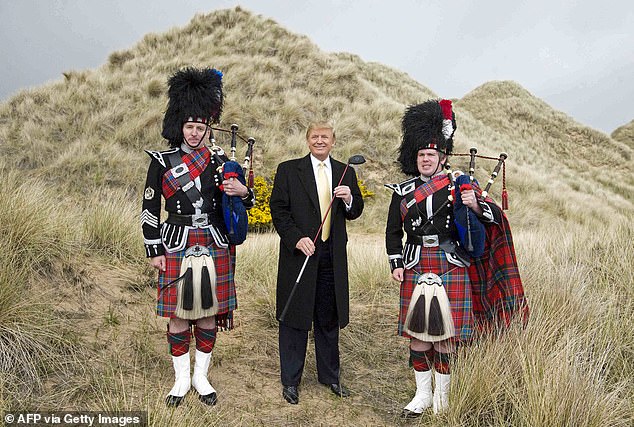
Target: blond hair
point(320, 125)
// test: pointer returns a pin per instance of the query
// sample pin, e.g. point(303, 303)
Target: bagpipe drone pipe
point(234, 212)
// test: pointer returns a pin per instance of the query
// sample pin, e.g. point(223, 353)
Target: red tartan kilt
point(457, 285)
point(224, 261)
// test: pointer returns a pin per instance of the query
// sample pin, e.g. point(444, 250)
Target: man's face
point(428, 161)
point(194, 133)
point(320, 142)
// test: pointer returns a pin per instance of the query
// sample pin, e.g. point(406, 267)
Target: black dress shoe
point(208, 399)
point(173, 401)
point(291, 394)
point(407, 414)
point(339, 389)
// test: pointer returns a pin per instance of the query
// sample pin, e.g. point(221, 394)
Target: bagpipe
point(234, 212)
point(470, 230)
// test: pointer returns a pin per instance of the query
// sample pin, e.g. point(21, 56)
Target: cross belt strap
point(181, 173)
point(422, 192)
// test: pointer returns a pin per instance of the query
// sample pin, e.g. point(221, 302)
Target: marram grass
point(35, 236)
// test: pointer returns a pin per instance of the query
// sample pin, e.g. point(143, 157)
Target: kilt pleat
point(224, 261)
point(456, 282)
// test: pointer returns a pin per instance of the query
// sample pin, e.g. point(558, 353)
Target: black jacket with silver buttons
point(433, 216)
point(159, 237)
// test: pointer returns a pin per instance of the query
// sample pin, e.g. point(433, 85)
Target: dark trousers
point(293, 342)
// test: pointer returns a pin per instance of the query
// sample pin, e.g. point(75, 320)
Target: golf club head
point(357, 159)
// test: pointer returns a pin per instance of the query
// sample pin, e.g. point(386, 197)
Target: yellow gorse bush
point(365, 192)
point(260, 214)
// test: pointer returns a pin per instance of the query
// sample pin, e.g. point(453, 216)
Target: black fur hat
point(195, 93)
point(427, 125)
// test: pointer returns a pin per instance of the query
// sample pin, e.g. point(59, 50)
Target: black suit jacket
point(295, 211)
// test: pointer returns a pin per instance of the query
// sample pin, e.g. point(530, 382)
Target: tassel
point(206, 297)
point(505, 200)
point(251, 180)
point(417, 321)
point(436, 324)
point(188, 289)
point(505, 196)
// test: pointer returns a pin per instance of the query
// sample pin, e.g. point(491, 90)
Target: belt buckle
point(197, 251)
point(200, 220)
point(430, 241)
point(179, 170)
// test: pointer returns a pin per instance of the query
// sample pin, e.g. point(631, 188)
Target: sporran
point(429, 314)
point(196, 296)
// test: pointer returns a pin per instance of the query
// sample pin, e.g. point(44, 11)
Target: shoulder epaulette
point(158, 155)
point(404, 187)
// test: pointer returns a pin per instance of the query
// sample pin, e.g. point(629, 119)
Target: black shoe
point(339, 389)
point(173, 401)
point(407, 414)
point(291, 394)
point(208, 399)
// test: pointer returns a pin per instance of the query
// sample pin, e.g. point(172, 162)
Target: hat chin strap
point(436, 170)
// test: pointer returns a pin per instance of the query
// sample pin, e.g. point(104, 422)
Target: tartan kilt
point(456, 282)
point(224, 261)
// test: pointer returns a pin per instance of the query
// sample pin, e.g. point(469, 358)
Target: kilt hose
point(224, 261)
point(456, 282)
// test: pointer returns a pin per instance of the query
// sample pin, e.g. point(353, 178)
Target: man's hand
point(306, 246)
point(233, 187)
point(344, 193)
point(469, 200)
point(158, 262)
point(397, 274)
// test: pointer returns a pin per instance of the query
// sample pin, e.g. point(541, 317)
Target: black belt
point(201, 220)
point(415, 239)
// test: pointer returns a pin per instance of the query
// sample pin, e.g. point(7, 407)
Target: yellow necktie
point(323, 188)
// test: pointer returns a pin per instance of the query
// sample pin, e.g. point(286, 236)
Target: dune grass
point(36, 237)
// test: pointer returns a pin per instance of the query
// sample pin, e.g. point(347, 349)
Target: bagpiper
point(190, 248)
point(433, 266)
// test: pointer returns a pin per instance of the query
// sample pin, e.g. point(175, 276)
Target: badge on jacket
point(149, 193)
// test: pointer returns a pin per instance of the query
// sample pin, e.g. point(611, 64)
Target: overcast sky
point(577, 55)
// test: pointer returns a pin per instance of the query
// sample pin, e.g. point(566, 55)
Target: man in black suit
point(301, 193)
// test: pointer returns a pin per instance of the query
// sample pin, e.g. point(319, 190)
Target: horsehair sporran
point(198, 259)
